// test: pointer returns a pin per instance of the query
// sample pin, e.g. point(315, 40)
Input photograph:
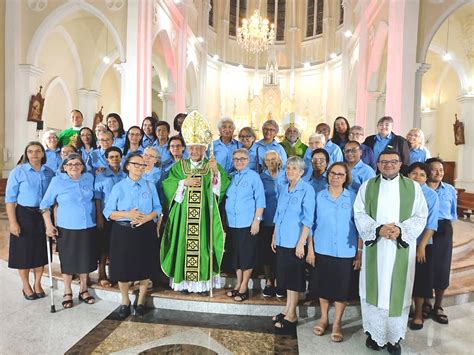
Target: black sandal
point(426, 310)
point(232, 293)
point(87, 300)
point(243, 296)
point(67, 303)
point(286, 325)
point(439, 316)
point(278, 317)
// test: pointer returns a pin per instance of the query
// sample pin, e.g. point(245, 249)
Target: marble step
point(463, 265)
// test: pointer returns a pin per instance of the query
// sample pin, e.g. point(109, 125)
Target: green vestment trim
point(400, 269)
point(297, 150)
point(184, 252)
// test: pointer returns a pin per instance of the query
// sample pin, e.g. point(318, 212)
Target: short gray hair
point(70, 157)
point(272, 123)
point(297, 162)
point(225, 120)
point(271, 151)
point(155, 149)
point(356, 128)
point(241, 150)
point(317, 136)
point(44, 138)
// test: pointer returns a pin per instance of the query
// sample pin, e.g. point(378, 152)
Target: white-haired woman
point(315, 141)
point(50, 144)
point(416, 141)
point(225, 145)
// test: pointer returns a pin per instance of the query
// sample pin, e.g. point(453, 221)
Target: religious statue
point(458, 131)
point(35, 111)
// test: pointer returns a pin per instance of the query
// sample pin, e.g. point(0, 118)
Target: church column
point(345, 58)
point(361, 105)
point(422, 69)
point(401, 63)
point(372, 102)
point(328, 40)
point(169, 110)
point(88, 103)
point(137, 70)
point(465, 163)
point(223, 39)
point(293, 30)
point(428, 126)
point(203, 55)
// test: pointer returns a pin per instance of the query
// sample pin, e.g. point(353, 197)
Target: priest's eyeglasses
point(389, 162)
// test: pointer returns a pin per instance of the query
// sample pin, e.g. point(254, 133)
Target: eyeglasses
point(319, 160)
point(336, 175)
point(135, 134)
point(73, 165)
point(150, 156)
point(240, 160)
point(53, 138)
point(245, 137)
point(355, 134)
point(137, 165)
point(86, 135)
point(269, 130)
point(391, 162)
point(351, 151)
point(270, 160)
point(176, 146)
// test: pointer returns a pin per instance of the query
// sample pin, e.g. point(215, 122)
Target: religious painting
point(98, 117)
point(35, 111)
point(458, 131)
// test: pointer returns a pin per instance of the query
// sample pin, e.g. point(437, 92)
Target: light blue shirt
point(105, 181)
point(138, 151)
point(148, 141)
point(153, 176)
point(53, 159)
point(119, 142)
point(26, 186)
point(84, 154)
point(128, 194)
point(447, 202)
point(271, 186)
point(381, 144)
point(244, 195)
point(75, 199)
point(96, 160)
point(223, 153)
point(318, 184)
point(164, 152)
point(295, 210)
point(432, 202)
point(253, 157)
point(419, 155)
point(335, 233)
point(335, 153)
point(262, 148)
point(360, 172)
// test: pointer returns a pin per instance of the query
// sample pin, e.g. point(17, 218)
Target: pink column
point(401, 63)
point(361, 106)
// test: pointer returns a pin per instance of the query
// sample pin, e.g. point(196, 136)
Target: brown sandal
point(87, 300)
point(320, 329)
point(67, 303)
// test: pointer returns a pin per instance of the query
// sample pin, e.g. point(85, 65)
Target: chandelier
point(256, 33)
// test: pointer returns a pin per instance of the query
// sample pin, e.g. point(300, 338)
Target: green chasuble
point(66, 136)
point(185, 250)
point(296, 150)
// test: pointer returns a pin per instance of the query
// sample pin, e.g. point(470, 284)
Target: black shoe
point(31, 297)
point(394, 349)
point(203, 293)
point(269, 291)
point(124, 311)
point(371, 344)
point(140, 310)
point(184, 292)
point(280, 293)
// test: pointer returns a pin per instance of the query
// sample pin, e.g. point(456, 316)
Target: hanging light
point(447, 56)
point(106, 58)
point(256, 33)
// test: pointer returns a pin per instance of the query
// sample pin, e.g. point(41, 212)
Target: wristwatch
point(259, 218)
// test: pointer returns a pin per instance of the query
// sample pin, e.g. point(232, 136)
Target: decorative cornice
point(30, 69)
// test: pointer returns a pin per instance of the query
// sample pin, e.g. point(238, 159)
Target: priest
point(390, 213)
point(193, 241)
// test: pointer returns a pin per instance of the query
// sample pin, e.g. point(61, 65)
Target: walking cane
point(211, 220)
point(53, 308)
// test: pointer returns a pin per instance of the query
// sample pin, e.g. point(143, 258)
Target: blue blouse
point(318, 184)
point(261, 149)
point(119, 142)
point(244, 195)
point(270, 186)
point(85, 155)
point(381, 144)
point(75, 199)
point(223, 153)
point(419, 155)
point(128, 194)
point(295, 210)
point(360, 172)
point(105, 181)
point(148, 141)
point(335, 153)
point(96, 160)
point(334, 233)
point(26, 186)
point(164, 152)
point(447, 202)
point(153, 176)
point(253, 157)
point(432, 202)
point(53, 158)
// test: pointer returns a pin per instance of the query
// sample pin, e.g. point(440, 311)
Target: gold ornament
point(196, 130)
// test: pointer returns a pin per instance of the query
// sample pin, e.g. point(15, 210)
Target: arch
point(162, 44)
point(75, 55)
point(60, 13)
point(102, 69)
point(456, 65)
point(437, 24)
point(376, 55)
point(192, 85)
point(58, 81)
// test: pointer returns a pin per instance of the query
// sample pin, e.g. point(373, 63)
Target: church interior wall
point(2, 85)
point(110, 91)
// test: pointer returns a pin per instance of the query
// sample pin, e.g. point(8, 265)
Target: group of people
point(286, 207)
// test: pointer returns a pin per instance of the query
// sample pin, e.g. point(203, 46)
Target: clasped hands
point(389, 231)
point(137, 218)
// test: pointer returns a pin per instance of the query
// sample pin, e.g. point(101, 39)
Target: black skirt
point(134, 252)
point(104, 238)
point(333, 278)
point(290, 270)
point(28, 251)
point(265, 253)
point(442, 254)
point(77, 250)
point(423, 284)
point(244, 246)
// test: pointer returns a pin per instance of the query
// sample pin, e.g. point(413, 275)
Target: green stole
point(400, 269)
point(297, 150)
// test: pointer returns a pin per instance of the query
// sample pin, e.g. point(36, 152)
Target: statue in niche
point(35, 111)
point(98, 117)
point(458, 131)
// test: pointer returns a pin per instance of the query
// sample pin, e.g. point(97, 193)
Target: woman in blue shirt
point(52, 150)
point(336, 254)
point(422, 286)
point(162, 137)
point(293, 220)
point(104, 182)
point(148, 128)
point(26, 186)
point(244, 204)
point(152, 157)
point(317, 175)
point(115, 124)
point(247, 139)
point(73, 192)
point(416, 141)
point(133, 141)
point(134, 207)
point(271, 178)
point(85, 143)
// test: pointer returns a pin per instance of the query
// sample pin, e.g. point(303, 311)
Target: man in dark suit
point(387, 140)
